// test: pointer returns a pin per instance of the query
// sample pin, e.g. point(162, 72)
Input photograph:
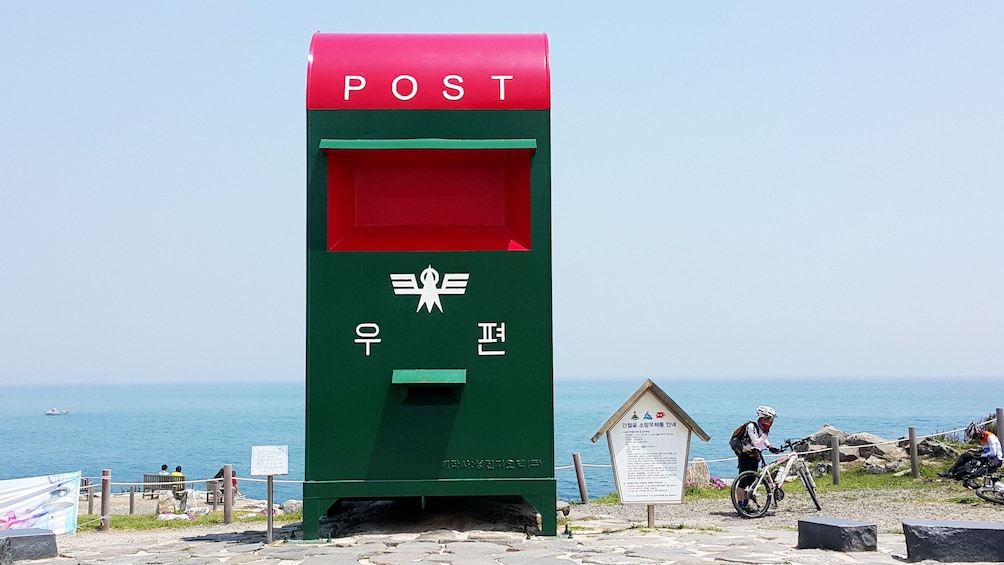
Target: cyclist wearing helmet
point(755, 440)
point(976, 462)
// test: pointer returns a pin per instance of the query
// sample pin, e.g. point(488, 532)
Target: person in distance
point(752, 440)
point(976, 462)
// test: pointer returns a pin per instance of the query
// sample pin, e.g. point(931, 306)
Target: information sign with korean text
point(269, 460)
point(649, 441)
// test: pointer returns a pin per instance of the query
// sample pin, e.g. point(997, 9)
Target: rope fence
point(88, 487)
point(834, 450)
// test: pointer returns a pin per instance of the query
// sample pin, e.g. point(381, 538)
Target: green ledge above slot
point(359, 144)
point(429, 376)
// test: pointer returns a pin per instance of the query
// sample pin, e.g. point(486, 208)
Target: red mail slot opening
point(428, 195)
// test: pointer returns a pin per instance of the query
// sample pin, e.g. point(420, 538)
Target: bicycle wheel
point(991, 494)
point(809, 483)
point(758, 495)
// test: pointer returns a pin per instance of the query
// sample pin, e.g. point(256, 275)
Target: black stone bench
point(947, 540)
point(29, 543)
point(837, 534)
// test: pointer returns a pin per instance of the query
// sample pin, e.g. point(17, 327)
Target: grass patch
point(856, 479)
point(92, 522)
point(850, 480)
point(689, 493)
point(611, 498)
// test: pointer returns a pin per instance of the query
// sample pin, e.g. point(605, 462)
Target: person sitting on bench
point(233, 480)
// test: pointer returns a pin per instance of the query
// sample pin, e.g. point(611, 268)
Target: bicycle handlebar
point(789, 445)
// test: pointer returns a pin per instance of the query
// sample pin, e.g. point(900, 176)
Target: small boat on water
point(56, 412)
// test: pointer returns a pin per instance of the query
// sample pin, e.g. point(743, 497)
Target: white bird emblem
point(428, 295)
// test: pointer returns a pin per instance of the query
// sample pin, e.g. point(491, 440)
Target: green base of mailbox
point(318, 497)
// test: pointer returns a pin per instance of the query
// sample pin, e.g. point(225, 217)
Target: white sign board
point(648, 447)
point(269, 460)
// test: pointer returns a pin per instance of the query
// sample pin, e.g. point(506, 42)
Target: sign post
point(649, 441)
point(269, 460)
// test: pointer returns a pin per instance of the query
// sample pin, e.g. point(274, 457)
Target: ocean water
point(134, 429)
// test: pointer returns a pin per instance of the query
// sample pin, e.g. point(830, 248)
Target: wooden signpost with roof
point(649, 441)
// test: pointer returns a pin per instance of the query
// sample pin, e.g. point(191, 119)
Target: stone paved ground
point(620, 543)
point(396, 533)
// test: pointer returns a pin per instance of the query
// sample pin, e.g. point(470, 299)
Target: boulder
point(875, 454)
point(871, 445)
point(877, 465)
point(166, 502)
point(931, 447)
point(824, 436)
point(862, 438)
point(848, 456)
point(821, 468)
point(699, 473)
point(563, 507)
point(884, 450)
point(813, 451)
point(292, 506)
point(188, 502)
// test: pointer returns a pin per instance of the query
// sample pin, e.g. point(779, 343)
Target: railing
point(834, 451)
point(89, 488)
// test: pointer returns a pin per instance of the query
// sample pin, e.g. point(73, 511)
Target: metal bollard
point(580, 477)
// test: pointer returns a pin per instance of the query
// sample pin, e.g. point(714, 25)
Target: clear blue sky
point(739, 189)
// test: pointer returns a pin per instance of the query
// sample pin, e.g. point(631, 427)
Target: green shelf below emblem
point(429, 376)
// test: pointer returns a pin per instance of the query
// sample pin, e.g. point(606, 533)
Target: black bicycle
point(982, 479)
point(989, 487)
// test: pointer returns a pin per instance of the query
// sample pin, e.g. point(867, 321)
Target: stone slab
point(30, 543)
point(954, 541)
point(6, 558)
point(837, 534)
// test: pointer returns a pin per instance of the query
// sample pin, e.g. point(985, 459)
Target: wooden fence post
point(835, 459)
point(914, 467)
point(580, 477)
point(228, 494)
point(214, 487)
point(106, 499)
point(90, 495)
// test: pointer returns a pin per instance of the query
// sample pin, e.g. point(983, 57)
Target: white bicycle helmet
point(765, 412)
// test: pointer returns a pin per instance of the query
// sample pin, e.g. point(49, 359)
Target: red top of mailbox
point(428, 72)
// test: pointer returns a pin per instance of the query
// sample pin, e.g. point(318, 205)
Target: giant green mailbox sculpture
point(429, 354)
